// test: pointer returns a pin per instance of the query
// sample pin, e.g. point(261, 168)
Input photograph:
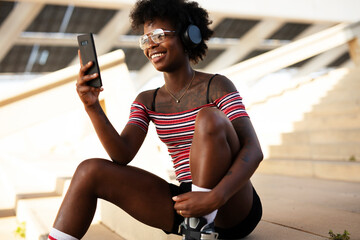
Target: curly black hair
point(180, 13)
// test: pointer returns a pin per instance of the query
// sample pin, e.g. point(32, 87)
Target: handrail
point(58, 78)
point(246, 71)
point(272, 61)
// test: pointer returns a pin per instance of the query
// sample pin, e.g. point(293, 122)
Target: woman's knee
point(211, 121)
point(212, 125)
point(88, 170)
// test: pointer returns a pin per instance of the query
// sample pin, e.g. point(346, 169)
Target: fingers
point(181, 197)
point(81, 85)
point(182, 213)
point(87, 93)
point(192, 204)
point(85, 68)
point(84, 89)
point(79, 54)
point(83, 77)
point(86, 78)
point(179, 206)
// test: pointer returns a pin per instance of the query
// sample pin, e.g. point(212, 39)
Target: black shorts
point(239, 231)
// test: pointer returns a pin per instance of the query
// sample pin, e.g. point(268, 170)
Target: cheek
point(178, 48)
point(179, 45)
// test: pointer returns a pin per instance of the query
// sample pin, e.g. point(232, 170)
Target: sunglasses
point(157, 36)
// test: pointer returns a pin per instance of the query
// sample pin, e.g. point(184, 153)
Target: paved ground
point(303, 208)
point(294, 209)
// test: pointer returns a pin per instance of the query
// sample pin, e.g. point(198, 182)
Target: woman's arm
point(250, 154)
point(121, 148)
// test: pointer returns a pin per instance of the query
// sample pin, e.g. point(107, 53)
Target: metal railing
point(253, 69)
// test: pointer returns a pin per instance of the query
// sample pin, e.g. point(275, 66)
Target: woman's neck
point(177, 80)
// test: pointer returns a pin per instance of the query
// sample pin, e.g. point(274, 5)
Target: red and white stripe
point(176, 130)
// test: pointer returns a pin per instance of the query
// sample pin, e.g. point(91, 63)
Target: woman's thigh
point(141, 194)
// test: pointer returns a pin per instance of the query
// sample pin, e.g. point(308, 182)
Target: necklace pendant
point(177, 101)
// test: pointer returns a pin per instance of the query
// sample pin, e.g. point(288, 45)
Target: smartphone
point(88, 53)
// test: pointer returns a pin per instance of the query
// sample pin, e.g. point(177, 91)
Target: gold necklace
point(183, 94)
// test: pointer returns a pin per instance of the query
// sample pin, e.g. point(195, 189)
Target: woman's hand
point(88, 95)
point(196, 204)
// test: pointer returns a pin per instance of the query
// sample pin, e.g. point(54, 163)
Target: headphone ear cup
point(192, 36)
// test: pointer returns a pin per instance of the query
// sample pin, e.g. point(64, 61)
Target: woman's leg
point(214, 139)
point(143, 195)
point(215, 144)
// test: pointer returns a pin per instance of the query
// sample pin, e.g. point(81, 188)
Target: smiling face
point(169, 54)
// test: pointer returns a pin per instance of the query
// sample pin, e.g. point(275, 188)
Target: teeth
point(156, 55)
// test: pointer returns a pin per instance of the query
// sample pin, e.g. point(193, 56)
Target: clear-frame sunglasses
point(157, 36)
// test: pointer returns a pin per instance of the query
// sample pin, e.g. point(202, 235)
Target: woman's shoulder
point(146, 98)
point(219, 86)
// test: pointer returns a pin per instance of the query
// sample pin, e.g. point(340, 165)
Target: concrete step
point(349, 81)
point(99, 231)
point(309, 204)
point(333, 170)
point(329, 151)
point(353, 73)
point(330, 112)
point(128, 227)
point(134, 230)
point(39, 215)
point(38, 211)
point(342, 95)
point(334, 109)
point(322, 136)
point(327, 138)
point(343, 121)
point(345, 98)
point(297, 209)
point(19, 177)
point(8, 225)
point(24, 178)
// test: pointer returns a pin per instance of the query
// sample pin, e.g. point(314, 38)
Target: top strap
point(208, 89)
point(153, 102)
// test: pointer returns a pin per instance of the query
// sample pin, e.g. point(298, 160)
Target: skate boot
point(197, 229)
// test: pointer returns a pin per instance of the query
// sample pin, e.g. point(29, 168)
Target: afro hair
point(180, 13)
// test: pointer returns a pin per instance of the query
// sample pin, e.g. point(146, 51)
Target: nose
point(152, 44)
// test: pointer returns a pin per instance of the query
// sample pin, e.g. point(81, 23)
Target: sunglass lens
point(158, 37)
point(144, 41)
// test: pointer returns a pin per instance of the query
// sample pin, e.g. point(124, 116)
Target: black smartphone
point(88, 53)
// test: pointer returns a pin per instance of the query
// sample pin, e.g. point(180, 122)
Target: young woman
point(201, 119)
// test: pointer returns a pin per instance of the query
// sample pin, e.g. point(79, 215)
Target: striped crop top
point(176, 129)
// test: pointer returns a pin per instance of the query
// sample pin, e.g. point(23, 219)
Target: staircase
point(326, 142)
point(44, 135)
